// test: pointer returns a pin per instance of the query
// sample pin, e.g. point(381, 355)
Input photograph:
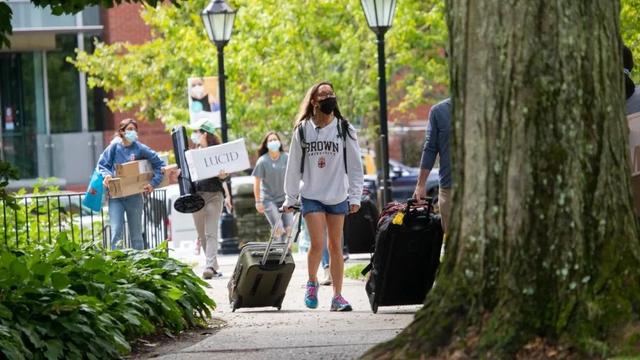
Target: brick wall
point(123, 23)
point(403, 144)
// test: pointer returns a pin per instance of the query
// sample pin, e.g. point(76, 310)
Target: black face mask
point(327, 105)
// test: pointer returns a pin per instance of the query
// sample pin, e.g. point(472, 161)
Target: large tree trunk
point(544, 240)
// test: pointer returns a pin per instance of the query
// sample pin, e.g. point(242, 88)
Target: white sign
point(207, 162)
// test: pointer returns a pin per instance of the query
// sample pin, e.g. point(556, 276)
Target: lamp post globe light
point(379, 15)
point(218, 19)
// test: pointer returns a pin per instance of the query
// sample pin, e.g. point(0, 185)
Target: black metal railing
point(41, 218)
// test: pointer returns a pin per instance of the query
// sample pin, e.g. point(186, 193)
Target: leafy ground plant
point(77, 301)
point(354, 271)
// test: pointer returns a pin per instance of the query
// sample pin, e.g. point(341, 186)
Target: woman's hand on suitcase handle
point(288, 209)
point(353, 208)
point(260, 207)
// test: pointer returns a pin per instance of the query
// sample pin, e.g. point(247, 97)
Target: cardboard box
point(207, 162)
point(133, 168)
point(125, 186)
point(170, 176)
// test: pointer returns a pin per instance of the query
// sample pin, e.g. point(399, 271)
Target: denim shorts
point(311, 206)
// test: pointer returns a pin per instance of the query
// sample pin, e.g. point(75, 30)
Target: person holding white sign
point(325, 155)
point(268, 186)
point(214, 191)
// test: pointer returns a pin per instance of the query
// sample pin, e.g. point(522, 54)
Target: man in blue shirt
point(437, 143)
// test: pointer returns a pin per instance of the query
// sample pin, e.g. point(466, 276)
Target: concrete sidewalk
point(295, 332)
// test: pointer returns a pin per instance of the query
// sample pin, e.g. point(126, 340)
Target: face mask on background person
point(273, 145)
point(195, 137)
point(328, 105)
point(131, 135)
point(198, 91)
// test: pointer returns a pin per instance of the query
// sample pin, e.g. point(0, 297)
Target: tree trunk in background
point(544, 241)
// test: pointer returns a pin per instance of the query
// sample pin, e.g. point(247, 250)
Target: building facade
point(52, 124)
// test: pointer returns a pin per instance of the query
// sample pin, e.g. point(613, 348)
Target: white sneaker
point(327, 277)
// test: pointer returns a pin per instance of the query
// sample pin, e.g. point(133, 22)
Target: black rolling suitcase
point(406, 257)
point(360, 228)
point(263, 272)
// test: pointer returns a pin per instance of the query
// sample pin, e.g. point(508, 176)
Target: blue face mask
point(131, 135)
point(273, 145)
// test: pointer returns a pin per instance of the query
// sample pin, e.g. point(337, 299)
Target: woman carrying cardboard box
point(124, 148)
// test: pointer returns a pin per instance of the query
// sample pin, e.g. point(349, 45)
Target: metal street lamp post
point(218, 19)
point(379, 14)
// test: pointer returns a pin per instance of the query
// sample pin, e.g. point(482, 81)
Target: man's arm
point(420, 186)
point(429, 153)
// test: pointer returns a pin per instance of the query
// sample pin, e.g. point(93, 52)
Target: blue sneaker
point(311, 296)
point(340, 304)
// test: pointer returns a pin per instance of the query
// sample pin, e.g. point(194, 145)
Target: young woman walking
point(325, 155)
point(268, 186)
point(214, 191)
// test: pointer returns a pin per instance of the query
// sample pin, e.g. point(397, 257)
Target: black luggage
point(263, 272)
point(360, 228)
point(406, 257)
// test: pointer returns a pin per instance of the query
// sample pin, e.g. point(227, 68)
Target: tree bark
point(544, 241)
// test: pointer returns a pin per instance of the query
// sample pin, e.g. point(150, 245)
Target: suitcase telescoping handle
point(285, 250)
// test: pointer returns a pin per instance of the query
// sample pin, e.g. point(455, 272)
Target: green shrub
point(77, 301)
point(354, 271)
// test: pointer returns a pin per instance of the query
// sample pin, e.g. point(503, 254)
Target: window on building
point(20, 99)
point(64, 90)
point(96, 107)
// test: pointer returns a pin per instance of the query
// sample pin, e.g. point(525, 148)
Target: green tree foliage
point(629, 28)
point(277, 50)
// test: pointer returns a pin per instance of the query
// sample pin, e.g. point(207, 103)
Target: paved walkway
point(295, 332)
